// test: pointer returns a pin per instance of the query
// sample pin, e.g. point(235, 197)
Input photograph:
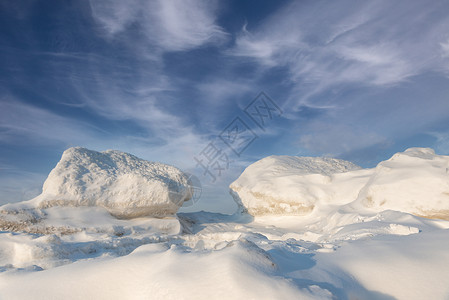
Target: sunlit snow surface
point(344, 248)
point(213, 256)
point(415, 181)
point(124, 184)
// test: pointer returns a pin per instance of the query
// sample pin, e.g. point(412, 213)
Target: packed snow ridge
point(121, 183)
point(415, 181)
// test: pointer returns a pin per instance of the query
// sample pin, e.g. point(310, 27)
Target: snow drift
point(286, 185)
point(123, 184)
point(415, 181)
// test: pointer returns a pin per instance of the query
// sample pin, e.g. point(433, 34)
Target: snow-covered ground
point(342, 247)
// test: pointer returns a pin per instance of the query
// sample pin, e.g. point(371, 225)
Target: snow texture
point(285, 185)
point(344, 248)
point(339, 255)
point(415, 181)
point(125, 185)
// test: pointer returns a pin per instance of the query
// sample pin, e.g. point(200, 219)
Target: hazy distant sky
point(358, 80)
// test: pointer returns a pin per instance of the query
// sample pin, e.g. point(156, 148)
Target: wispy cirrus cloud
point(324, 44)
point(445, 48)
point(367, 65)
point(22, 123)
point(172, 25)
point(162, 136)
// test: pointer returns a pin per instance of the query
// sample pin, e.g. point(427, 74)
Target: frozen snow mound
point(289, 185)
point(415, 181)
point(123, 184)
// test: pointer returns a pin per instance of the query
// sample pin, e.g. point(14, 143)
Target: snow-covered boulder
point(415, 181)
point(289, 185)
point(123, 184)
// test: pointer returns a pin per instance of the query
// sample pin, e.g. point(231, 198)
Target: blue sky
point(356, 80)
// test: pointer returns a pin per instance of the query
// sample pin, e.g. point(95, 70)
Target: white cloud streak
point(445, 49)
point(172, 25)
point(24, 123)
point(324, 43)
point(343, 55)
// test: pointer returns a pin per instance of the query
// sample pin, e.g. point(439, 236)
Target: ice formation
point(123, 184)
point(415, 181)
point(286, 185)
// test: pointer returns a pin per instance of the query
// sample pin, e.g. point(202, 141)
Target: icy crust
point(240, 269)
point(415, 181)
point(285, 185)
point(341, 255)
point(125, 185)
